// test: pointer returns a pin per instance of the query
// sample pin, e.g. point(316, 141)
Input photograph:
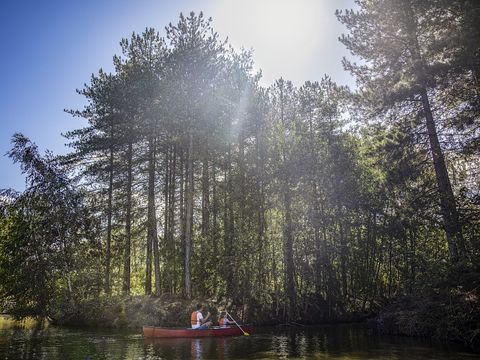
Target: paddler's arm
point(204, 320)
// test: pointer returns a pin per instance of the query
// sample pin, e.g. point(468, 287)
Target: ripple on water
point(328, 342)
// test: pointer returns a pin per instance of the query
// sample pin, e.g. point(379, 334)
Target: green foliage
point(40, 229)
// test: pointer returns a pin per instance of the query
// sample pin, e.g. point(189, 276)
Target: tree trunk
point(288, 253)
point(151, 221)
point(108, 289)
point(128, 223)
point(181, 204)
point(152, 234)
point(343, 259)
point(166, 215)
point(156, 263)
point(171, 221)
point(189, 219)
point(228, 225)
point(205, 196)
point(216, 258)
point(453, 228)
point(319, 248)
point(241, 176)
point(261, 227)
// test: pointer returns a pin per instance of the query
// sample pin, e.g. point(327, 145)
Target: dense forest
point(296, 203)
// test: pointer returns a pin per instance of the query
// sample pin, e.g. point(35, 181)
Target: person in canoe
point(198, 321)
point(223, 320)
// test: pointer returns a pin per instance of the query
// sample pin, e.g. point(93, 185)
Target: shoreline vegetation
point(446, 315)
point(284, 204)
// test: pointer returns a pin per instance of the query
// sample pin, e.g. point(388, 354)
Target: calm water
point(326, 342)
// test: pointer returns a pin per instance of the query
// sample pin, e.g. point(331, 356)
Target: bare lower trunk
point(453, 229)
point(261, 223)
point(152, 235)
point(170, 241)
point(128, 224)
point(108, 255)
point(228, 225)
point(216, 258)
point(343, 259)
point(156, 263)
point(205, 197)
point(166, 217)
point(181, 203)
point(151, 222)
point(288, 254)
point(188, 220)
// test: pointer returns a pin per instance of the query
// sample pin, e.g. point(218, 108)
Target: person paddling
point(223, 320)
point(198, 321)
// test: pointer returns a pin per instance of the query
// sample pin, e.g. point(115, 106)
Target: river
point(346, 342)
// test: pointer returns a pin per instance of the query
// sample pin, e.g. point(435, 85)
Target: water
point(344, 342)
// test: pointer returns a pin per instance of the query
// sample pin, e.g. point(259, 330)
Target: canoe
point(159, 332)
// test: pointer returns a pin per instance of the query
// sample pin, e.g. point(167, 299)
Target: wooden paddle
point(243, 331)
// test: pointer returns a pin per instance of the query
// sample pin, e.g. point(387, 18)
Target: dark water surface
point(322, 342)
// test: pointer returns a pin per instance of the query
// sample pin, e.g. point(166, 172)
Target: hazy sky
point(50, 48)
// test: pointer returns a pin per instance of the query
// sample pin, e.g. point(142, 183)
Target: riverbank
point(132, 312)
point(448, 310)
point(447, 315)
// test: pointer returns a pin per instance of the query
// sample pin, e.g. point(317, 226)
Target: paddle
point(243, 331)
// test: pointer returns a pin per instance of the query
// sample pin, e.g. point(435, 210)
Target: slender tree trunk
point(152, 234)
point(288, 253)
point(261, 227)
point(228, 224)
point(171, 221)
point(319, 248)
point(156, 263)
point(189, 219)
point(166, 215)
point(243, 285)
point(274, 274)
point(182, 202)
point(289, 277)
point(343, 259)
point(215, 227)
point(315, 208)
point(453, 228)
point(128, 223)
point(205, 195)
point(241, 175)
point(151, 220)
point(413, 259)
point(108, 289)
point(166, 196)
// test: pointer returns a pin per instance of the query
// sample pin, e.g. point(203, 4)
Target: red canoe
point(158, 332)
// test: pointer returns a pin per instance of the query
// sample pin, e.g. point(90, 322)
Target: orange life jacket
point(193, 318)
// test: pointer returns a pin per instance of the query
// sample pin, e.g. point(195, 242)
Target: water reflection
point(215, 348)
point(328, 342)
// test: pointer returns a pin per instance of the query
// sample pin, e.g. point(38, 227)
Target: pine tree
point(401, 69)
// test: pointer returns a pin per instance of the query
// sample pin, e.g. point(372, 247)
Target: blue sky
point(50, 48)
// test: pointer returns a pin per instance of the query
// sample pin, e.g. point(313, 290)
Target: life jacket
point(194, 319)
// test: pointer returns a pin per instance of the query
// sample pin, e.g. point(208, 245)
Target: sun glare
point(286, 35)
